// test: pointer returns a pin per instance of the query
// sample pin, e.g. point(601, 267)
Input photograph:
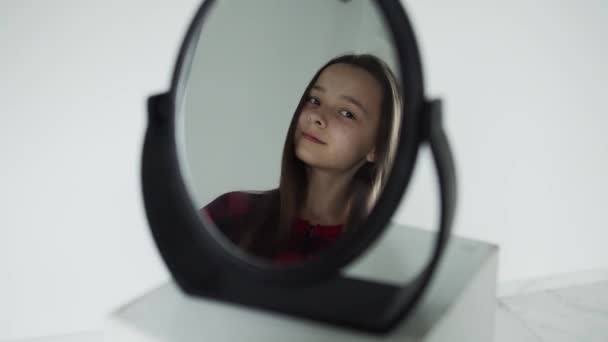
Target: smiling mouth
point(311, 138)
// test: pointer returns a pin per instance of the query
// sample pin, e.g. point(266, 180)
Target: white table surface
point(577, 313)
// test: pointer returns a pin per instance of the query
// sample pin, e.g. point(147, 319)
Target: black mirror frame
point(181, 236)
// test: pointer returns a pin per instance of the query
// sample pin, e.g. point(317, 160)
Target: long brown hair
point(282, 205)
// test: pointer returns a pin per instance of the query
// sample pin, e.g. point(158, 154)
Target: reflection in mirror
point(288, 122)
point(336, 157)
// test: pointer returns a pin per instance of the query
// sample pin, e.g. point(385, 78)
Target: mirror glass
point(287, 122)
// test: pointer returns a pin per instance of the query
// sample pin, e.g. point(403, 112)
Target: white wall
point(523, 84)
point(74, 76)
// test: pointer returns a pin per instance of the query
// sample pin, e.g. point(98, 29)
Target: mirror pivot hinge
point(432, 118)
point(159, 108)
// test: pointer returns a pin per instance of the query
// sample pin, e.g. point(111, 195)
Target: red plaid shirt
point(305, 239)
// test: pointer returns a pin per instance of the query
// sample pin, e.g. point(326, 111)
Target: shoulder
point(237, 202)
point(235, 211)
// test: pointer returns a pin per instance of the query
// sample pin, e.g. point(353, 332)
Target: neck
point(328, 197)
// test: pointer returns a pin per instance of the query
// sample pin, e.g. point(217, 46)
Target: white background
point(523, 83)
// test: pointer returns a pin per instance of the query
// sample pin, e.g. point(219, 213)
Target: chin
point(313, 162)
point(304, 156)
point(307, 157)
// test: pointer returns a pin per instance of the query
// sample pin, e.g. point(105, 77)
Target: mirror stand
point(348, 302)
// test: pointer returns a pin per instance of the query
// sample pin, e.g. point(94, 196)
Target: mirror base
point(348, 302)
point(459, 306)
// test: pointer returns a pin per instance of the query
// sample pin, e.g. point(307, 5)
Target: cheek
point(355, 141)
point(302, 118)
point(347, 141)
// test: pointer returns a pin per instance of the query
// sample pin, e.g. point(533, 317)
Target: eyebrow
point(346, 97)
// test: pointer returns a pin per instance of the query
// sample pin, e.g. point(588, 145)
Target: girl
point(336, 159)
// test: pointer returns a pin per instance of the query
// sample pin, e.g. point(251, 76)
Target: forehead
point(348, 80)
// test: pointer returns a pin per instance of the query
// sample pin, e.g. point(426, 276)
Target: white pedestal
point(458, 307)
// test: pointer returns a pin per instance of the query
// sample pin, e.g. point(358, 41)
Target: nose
point(317, 118)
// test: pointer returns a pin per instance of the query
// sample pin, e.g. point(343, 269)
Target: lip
point(312, 138)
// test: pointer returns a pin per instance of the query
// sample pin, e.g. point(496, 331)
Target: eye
point(347, 114)
point(313, 100)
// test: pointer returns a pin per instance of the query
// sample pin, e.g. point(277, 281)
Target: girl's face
point(338, 123)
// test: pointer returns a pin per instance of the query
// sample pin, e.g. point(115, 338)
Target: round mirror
point(283, 150)
point(288, 123)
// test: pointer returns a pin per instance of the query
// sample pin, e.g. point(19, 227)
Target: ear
point(371, 156)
